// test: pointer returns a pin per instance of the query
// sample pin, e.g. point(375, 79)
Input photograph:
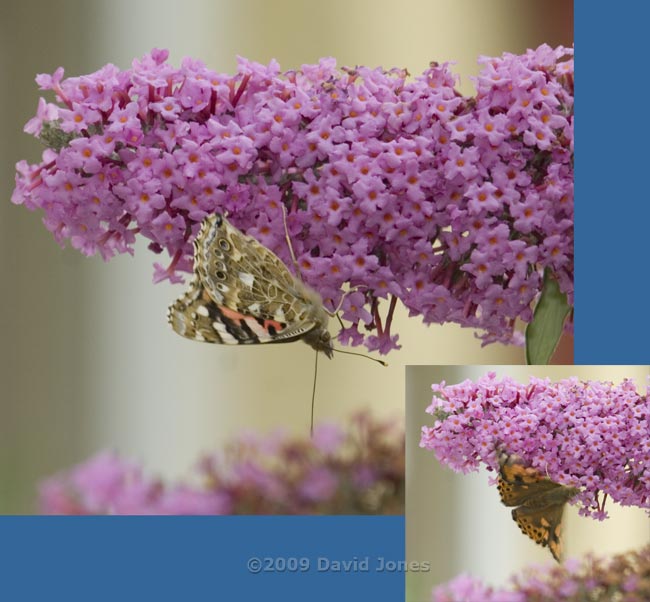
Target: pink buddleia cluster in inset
point(357, 470)
point(587, 434)
point(622, 577)
point(400, 188)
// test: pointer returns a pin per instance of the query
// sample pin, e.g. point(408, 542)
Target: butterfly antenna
point(313, 397)
point(286, 236)
point(374, 359)
point(334, 313)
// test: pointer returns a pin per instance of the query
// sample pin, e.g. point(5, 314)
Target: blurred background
point(87, 359)
point(458, 523)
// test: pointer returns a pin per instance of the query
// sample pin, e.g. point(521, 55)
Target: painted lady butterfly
point(242, 293)
point(539, 501)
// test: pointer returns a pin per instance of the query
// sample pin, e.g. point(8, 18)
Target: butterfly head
point(321, 340)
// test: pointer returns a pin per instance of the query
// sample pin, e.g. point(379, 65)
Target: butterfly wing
point(514, 491)
point(243, 293)
point(196, 316)
point(539, 501)
point(543, 525)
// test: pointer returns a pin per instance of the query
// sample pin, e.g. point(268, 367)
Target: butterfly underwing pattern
point(242, 293)
point(539, 501)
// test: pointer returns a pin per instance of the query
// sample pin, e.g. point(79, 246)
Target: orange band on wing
point(236, 316)
point(278, 327)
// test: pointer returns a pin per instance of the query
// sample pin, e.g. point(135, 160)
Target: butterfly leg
point(335, 313)
point(288, 239)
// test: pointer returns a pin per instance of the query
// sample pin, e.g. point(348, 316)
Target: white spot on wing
point(247, 279)
point(259, 330)
point(202, 310)
point(226, 337)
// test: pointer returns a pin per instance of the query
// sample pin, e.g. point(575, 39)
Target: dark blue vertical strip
point(612, 169)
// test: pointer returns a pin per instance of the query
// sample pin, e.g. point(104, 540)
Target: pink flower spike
point(590, 435)
point(454, 204)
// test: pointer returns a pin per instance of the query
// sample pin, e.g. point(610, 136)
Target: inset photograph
point(527, 482)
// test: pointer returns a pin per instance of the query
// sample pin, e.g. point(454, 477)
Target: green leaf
point(543, 333)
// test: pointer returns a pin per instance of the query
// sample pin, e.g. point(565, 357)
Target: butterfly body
point(242, 293)
point(538, 501)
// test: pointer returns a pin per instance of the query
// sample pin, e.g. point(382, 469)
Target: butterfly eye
point(224, 244)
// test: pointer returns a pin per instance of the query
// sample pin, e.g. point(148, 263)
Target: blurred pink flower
point(357, 469)
point(622, 577)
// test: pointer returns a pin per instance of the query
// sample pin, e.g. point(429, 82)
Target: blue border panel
point(202, 558)
point(612, 166)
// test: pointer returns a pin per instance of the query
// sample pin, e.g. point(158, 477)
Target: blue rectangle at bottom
point(203, 558)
